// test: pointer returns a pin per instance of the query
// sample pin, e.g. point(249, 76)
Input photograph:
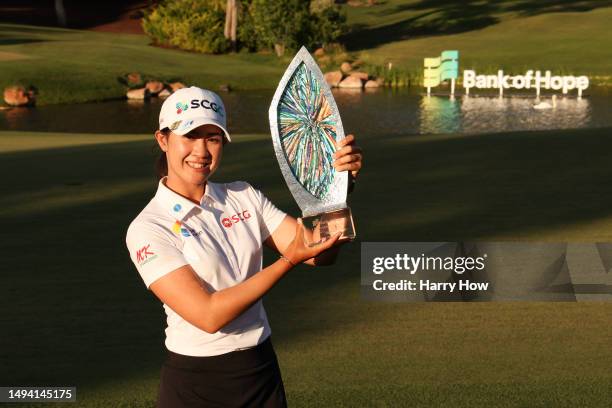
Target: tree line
point(220, 26)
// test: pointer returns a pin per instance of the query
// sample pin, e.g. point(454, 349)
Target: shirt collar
point(214, 191)
point(179, 206)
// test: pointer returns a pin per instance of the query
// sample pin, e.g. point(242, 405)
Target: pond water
point(372, 113)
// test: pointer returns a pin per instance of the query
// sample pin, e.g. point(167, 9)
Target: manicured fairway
point(74, 66)
point(75, 311)
point(565, 37)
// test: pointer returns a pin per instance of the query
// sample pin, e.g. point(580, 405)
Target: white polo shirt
point(222, 241)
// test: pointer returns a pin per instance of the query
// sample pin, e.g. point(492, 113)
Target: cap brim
point(199, 122)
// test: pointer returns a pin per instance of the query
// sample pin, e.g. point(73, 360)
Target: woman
point(198, 247)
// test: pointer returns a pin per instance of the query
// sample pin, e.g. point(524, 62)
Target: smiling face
point(192, 158)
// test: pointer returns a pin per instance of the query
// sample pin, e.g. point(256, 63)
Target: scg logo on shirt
point(235, 219)
point(145, 255)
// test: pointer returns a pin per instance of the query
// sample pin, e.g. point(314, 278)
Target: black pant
point(245, 378)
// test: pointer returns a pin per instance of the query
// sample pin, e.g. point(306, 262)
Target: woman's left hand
point(349, 156)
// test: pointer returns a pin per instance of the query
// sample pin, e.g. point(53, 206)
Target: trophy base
point(326, 225)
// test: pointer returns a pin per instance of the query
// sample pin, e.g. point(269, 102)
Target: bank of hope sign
point(446, 67)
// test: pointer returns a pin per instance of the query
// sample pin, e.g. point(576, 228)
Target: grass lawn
point(490, 35)
point(74, 66)
point(77, 313)
point(564, 36)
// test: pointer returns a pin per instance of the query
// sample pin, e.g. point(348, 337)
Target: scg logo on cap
point(206, 104)
point(180, 107)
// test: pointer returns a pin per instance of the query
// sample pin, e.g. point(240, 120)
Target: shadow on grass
point(16, 27)
point(442, 17)
point(531, 8)
point(15, 41)
point(76, 312)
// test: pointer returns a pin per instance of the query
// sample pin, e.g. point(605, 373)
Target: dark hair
point(161, 164)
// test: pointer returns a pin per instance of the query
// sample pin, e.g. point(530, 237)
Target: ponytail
point(161, 164)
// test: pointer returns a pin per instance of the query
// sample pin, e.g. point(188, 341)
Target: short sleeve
point(271, 217)
point(153, 252)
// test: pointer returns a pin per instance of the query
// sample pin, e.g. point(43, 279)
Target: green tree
point(215, 26)
point(193, 25)
point(326, 26)
point(286, 25)
point(281, 24)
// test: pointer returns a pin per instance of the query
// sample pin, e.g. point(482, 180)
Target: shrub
point(198, 25)
point(326, 26)
point(193, 25)
point(288, 24)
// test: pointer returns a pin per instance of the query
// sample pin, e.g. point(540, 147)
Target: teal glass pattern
point(307, 130)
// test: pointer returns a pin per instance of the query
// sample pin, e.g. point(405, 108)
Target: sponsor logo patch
point(227, 222)
point(180, 107)
point(176, 227)
point(175, 125)
point(145, 255)
point(187, 124)
point(206, 104)
point(185, 231)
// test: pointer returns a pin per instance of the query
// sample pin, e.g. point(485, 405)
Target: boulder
point(154, 87)
point(19, 96)
point(351, 81)
point(133, 79)
point(333, 78)
point(138, 94)
point(164, 93)
point(362, 75)
point(346, 67)
point(371, 84)
point(176, 85)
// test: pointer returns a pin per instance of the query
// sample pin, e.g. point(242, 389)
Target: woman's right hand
point(299, 250)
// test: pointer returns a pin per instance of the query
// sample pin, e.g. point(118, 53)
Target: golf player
point(198, 247)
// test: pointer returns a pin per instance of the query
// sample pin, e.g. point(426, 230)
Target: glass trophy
point(305, 126)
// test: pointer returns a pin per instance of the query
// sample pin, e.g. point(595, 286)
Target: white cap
point(188, 108)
